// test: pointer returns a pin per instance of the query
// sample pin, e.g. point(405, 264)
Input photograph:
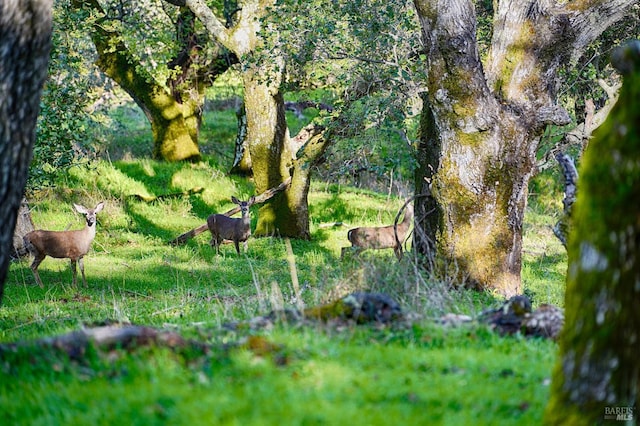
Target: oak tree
point(483, 117)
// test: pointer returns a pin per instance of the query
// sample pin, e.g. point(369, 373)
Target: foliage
point(147, 29)
point(367, 54)
point(69, 121)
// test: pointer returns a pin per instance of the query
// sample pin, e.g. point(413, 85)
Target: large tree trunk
point(480, 137)
point(267, 136)
point(274, 159)
point(25, 42)
point(597, 377)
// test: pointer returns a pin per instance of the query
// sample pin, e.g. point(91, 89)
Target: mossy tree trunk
point(271, 155)
point(173, 107)
point(484, 122)
point(597, 377)
point(25, 43)
point(275, 157)
point(268, 141)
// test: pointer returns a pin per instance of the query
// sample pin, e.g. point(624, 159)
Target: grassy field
point(416, 373)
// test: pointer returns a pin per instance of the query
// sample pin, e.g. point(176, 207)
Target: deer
point(380, 237)
point(238, 230)
point(73, 245)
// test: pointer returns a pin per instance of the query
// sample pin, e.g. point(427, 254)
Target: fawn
point(380, 237)
point(64, 244)
point(227, 228)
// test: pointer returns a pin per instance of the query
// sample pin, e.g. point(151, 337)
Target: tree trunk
point(483, 125)
point(286, 214)
point(24, 225)
point(25, 42)
point(597, 377)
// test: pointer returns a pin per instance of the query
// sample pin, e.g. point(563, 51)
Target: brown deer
point(380, 237)
point(64, 244)
point(233, 229)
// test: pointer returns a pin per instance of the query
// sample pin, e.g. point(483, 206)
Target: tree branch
point(581, 133)
point(214, 26)
point(603, 12)
point(570, 174)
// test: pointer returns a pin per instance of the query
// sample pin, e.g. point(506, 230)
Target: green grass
point(421, 374)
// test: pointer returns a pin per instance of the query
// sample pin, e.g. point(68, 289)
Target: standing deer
point(64, 244)
point(380, 237)
point(227, 228)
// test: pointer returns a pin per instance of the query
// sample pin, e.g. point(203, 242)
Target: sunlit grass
point(423, 375)
point(418, 374)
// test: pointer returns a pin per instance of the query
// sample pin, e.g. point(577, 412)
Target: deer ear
point(99, 207)
point(235, 200)
point(252, 200)
point(80, 209)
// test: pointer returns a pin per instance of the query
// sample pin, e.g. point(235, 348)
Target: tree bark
point(25, 42)
point(267, 136)
point(570, 176)
point(597, 376)
point(242, 160)
point(24, 225)
point(478, 148)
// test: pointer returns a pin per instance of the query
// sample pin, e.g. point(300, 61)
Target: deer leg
point(237, 244)
point(34, 267)
point(215, 242)
point(81, 264)
point(212, 242)
point(343, 252)
point(75, 272)
point(398, 251)
point(246, 245)
point(353, 250)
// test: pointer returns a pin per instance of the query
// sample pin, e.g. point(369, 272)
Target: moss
point(457, 86)
point(173, 140)
point(455, 196)
point(514, 56)
point(598, 363)
point(480, 235)
point(481, 247)
point(472, 140)
point(582, 5)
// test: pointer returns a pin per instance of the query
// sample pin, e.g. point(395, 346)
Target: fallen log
point(108, 337)
point(266, 195)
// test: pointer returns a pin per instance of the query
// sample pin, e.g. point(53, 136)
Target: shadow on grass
point(140, 223)
point(544, 277)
